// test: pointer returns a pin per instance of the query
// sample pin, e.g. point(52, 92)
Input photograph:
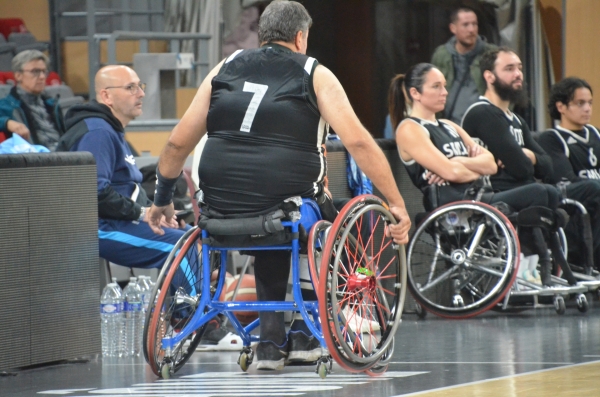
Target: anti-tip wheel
point(559, 304)
point(582, 303)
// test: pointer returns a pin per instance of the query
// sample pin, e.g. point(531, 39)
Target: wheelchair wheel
point(462, 259)
point(174, 300)
point(316, 243)
point(362, 285)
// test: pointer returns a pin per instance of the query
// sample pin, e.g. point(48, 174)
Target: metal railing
point(201, 64)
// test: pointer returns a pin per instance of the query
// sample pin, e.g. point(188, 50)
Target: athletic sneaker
point(303, 348)
point(269, 356)
point(216, 337)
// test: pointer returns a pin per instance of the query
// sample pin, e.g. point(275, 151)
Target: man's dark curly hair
point(488, 58)
point(563, 92)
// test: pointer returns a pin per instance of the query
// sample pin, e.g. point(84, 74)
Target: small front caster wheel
point(244, 362)
point(322, 370)
point(165, 371)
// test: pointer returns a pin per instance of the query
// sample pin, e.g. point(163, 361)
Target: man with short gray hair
point(26, 111)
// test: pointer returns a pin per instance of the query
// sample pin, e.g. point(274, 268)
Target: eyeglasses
point(132, 88)
point(37, 72)
point(581, 104)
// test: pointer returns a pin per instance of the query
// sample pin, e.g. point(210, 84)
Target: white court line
point(492, 379)
point(484, 362)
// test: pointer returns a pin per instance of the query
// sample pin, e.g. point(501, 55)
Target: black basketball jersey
point(264, 132)
point(449, 142)
point(581, 148)
point(504, 135)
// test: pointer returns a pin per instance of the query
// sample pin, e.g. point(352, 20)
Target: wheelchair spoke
point(442, 277)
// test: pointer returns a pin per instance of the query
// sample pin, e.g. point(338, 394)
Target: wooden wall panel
point(34, 13)
point(582, 42)
point(552, 19)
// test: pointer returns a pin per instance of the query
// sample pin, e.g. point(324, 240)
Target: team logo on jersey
point(130, 159)
point(518, 134)
point(589, 174)
point(452, 149)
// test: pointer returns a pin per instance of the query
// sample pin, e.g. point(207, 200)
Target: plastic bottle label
point(133, 306)
point(109, 308)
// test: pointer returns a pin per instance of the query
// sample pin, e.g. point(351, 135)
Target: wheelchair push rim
point(362, 286)
point(175, 300)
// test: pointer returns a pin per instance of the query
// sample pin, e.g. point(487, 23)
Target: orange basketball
point(246, 292)
point(215, 274)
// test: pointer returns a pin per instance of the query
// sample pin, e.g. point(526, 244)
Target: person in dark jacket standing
point(26, 111)
point(458, 60)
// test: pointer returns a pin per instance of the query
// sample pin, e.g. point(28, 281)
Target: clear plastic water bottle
point(111, 306)
point(133, 318)
point(145, 284)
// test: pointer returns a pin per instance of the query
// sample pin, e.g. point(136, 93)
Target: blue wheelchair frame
point(215, 307)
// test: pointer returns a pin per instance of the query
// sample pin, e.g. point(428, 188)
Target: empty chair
point(61, 91)
point(53, 79)
point(7, 51)
point(27, 41)
point(66, 103)
point(65, 95)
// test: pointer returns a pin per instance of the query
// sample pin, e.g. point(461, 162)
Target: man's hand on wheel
point(399, 231)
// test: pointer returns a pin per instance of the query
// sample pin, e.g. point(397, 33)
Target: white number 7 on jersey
point(259, 91)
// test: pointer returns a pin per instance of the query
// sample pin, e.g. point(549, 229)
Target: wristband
point(142, 214)
point(165, 187)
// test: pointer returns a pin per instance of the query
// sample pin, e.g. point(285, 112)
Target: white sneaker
point(356, 321)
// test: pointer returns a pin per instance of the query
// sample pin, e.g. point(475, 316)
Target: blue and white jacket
point(93, 128)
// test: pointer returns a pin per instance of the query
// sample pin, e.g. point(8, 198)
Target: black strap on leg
point(588, 240)
point(560, 259)
point(541, 249)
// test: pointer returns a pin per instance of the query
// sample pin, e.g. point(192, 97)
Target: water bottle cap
point(134, 279)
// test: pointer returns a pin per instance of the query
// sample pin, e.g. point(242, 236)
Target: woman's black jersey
point(445, 138)
point(581, 148)
point(265, 132)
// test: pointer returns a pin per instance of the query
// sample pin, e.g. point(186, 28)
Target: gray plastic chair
point(27, 41)
point(7, 51)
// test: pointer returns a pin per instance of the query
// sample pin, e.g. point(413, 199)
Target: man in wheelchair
point(574, 144)
point(267, 112)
